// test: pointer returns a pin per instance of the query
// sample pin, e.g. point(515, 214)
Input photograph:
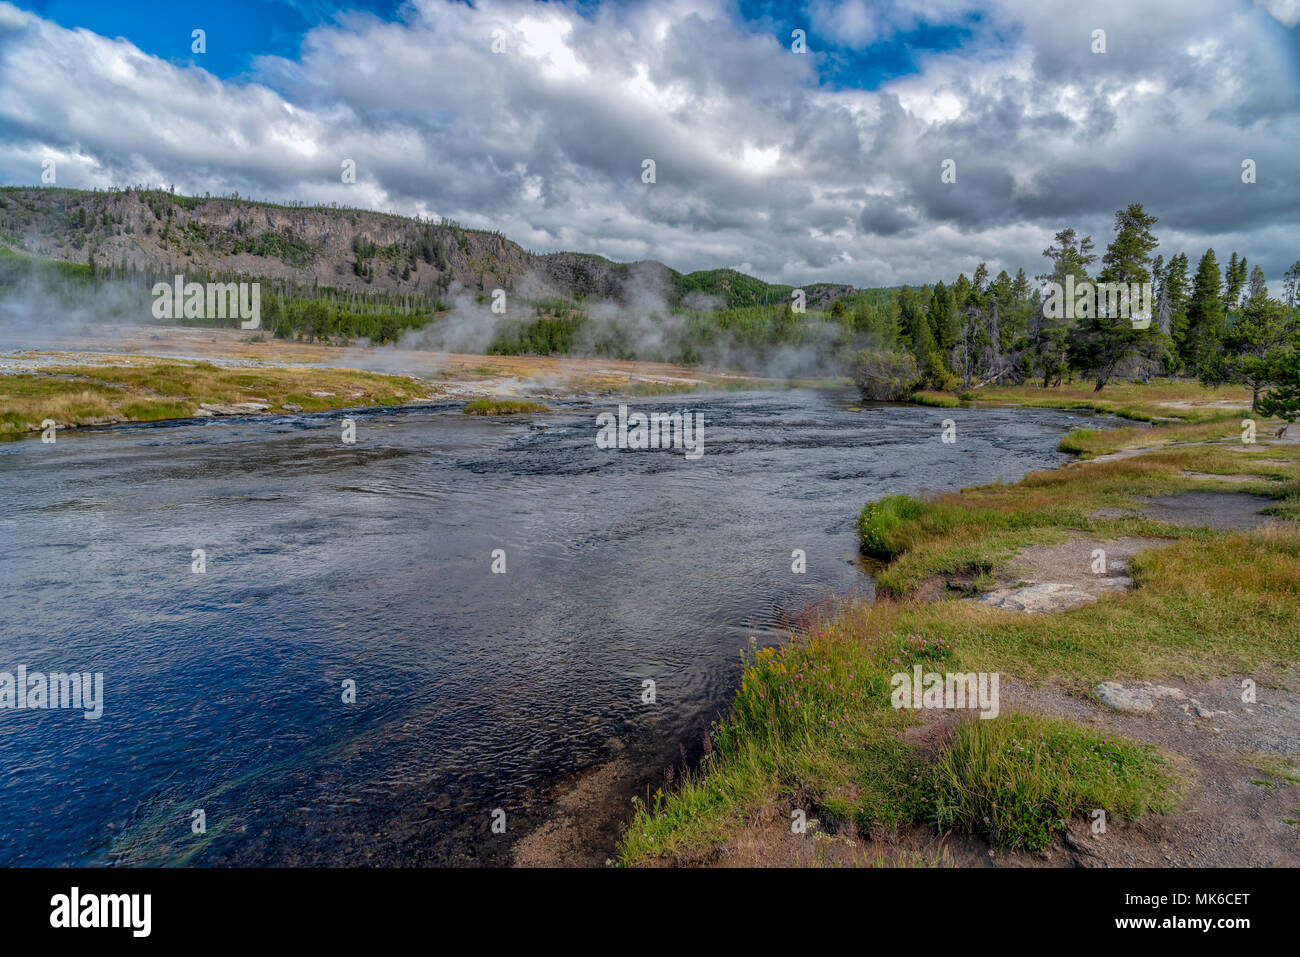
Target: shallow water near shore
point(372, 563)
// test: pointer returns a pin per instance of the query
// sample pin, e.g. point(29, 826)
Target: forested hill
point(341, 275)
point(136, 231)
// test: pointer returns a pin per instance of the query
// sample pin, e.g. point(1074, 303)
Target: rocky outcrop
point(160, 233)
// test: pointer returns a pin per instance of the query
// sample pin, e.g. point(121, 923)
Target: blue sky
point(239, 30)
point(799, 168)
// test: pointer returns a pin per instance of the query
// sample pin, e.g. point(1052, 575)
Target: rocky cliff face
point(359, 250)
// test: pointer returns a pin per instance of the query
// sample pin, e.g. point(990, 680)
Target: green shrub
point(884, 376)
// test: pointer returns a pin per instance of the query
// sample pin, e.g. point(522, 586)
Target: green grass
point(1018, 780)
point(939, 400)
point(969, 531)
point(1225, 425)
point(502, 407)
point(1280, 768)
point(1156, 401)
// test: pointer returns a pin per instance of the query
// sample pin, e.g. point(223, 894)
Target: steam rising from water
point(40, 314)
point(643, 325)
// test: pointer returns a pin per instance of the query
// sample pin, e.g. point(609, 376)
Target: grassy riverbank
point(145, 373)
point(812, 728)
point(1160, 400)
point(148, 390)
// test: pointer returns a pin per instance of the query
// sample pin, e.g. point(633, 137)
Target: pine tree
point(942, 318)
point(1174, 291)
point(1205, 320)
point(1001, 290)
point(1291, 285)
point(1234, 277)
point(1283, 401)
point(887, 325)
point(1253, 345)
point(1099, 343)
point(1015, 327)
point(915, 326)
point(1070, 256)
point(863, 316)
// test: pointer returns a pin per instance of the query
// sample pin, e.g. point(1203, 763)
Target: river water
point(371, 563)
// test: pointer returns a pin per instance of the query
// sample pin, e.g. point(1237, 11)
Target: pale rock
point(231, 408)
point(1142, 698)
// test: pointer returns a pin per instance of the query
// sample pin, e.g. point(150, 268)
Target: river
point(329, 563)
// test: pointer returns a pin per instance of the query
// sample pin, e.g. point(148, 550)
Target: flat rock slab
point(1046, 578)
point(1136, 698)
point(1142, 698)
point(231, 408)
point(1052, 596)
point(1209, 509)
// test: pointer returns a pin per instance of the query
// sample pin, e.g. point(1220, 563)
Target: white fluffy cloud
point(1286, 11)
point(757, 162)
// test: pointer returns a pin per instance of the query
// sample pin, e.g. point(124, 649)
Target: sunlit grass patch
point(1092, 442)
point(145, 390)
point(1019, 778)
point(1154, 401)
point(938, 400)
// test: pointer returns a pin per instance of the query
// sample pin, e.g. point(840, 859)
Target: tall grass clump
point(502, 407)
point(881, 524)
point(1019, 778)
